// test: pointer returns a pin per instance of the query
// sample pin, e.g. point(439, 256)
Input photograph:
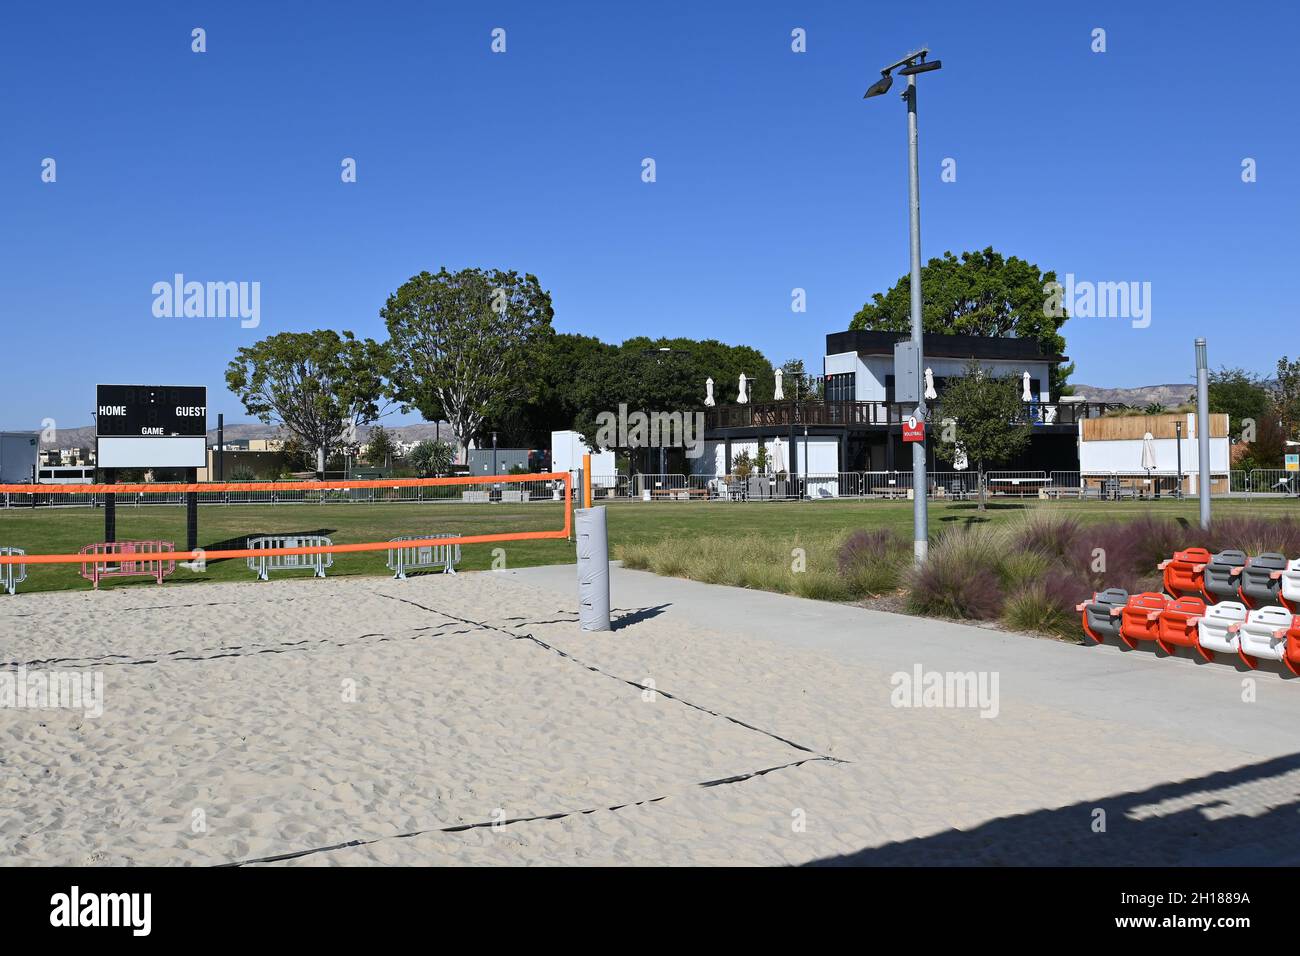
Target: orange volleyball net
point(452, 493)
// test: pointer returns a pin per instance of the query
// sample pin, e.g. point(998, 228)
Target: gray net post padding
point(593, 569)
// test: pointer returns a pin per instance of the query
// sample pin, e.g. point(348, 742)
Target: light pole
point(1203, 428)
point(910, 66)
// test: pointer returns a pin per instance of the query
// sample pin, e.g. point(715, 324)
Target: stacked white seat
point(1264, 634)
point(1218, 629)
point(1291, 583)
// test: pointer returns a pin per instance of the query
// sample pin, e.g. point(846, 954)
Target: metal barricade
point(137, 559)
point(422, 557)
point(12, 575)
point(263, 565)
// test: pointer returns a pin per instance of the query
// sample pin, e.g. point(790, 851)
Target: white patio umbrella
point(778, 456)
point(708, 393)
point(1149, 455)
point(959, 462)
point(930, 393)
point(1026, 395)
point(742, 398)
point(778, 394)
point(1149, 452)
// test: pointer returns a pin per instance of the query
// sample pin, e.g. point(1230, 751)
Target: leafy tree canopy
point(465, 343)
point(980, 293)
point(1239, 394)
point(317, 385)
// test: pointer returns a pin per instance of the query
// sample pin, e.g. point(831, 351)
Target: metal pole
point(920, 487)
point(1178, 488)
point(1203, 427)
point(221, 447)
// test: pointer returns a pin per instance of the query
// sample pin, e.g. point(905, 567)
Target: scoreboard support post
point(191, 512)
point(110, 507)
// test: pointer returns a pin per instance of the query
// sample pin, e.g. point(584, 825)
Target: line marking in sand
point(631, 683)
point(462, 827)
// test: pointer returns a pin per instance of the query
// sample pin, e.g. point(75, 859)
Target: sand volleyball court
point(467, 720)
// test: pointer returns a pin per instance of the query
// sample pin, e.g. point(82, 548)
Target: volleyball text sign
point(151, 426)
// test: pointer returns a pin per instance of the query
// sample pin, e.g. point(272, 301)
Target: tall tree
point(986, 411)
point(1286, 396)
point(464, 344)
point(380, 447)
point(319, 386)
point(981, 293)
point(1240, 395)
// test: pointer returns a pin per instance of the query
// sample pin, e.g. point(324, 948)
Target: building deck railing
point(848, 414)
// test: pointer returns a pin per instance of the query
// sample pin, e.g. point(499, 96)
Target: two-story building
point(854, 423)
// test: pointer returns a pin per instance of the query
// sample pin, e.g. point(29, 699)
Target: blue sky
point(772, 172)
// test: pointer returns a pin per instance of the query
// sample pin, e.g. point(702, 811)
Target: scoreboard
point(151, 426)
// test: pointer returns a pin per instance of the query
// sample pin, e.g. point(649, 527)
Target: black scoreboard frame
point(149, 423)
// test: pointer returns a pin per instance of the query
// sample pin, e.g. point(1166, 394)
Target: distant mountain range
point(84, 437)
point(1141, 396)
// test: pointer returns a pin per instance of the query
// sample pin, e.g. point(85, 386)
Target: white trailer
point(18, 454)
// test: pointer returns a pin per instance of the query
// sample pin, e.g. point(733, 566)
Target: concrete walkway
point(1177, 696)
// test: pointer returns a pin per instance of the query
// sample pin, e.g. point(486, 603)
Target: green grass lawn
point(818, 526)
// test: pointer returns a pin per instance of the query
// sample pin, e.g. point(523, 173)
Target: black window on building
point(841, 387)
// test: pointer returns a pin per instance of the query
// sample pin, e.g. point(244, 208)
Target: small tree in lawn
point(380, 448)
point(464, 344)
point(431, 457)
point(983, 410)
point(317, 385)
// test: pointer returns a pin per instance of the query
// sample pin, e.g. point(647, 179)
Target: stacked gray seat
point(1097, 612)
point(1220, 582)
point(1261, 579)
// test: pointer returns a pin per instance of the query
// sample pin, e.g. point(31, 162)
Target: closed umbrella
point(778, 456)
point(708, 393)
point(743, 397)
point(1026, 395)
point(778, 395)
point(1149, 455)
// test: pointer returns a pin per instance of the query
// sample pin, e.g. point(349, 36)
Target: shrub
point(1047, 533)
point(1124, 554)
point(873, 562)
point(960, 579)
point(1254, 535)
point(1041, 608)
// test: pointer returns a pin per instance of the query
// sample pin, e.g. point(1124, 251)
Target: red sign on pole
point(913, 430)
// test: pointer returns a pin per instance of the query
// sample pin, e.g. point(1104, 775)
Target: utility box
point(567, 449)
point(907, 373)
point(18, 454)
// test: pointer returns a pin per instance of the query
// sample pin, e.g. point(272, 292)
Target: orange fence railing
point(565, 532)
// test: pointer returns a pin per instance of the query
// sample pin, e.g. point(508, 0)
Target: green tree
point(1240, 395)
point(464, 344)
point(318, 385)
point(431, 457)
point(380, 447)
point(985, 413)
point(1286, 396)
point(666, 375)
point(982, 293)
point(1154, 408)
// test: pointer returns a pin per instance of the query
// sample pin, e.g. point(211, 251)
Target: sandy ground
point(467, 720)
